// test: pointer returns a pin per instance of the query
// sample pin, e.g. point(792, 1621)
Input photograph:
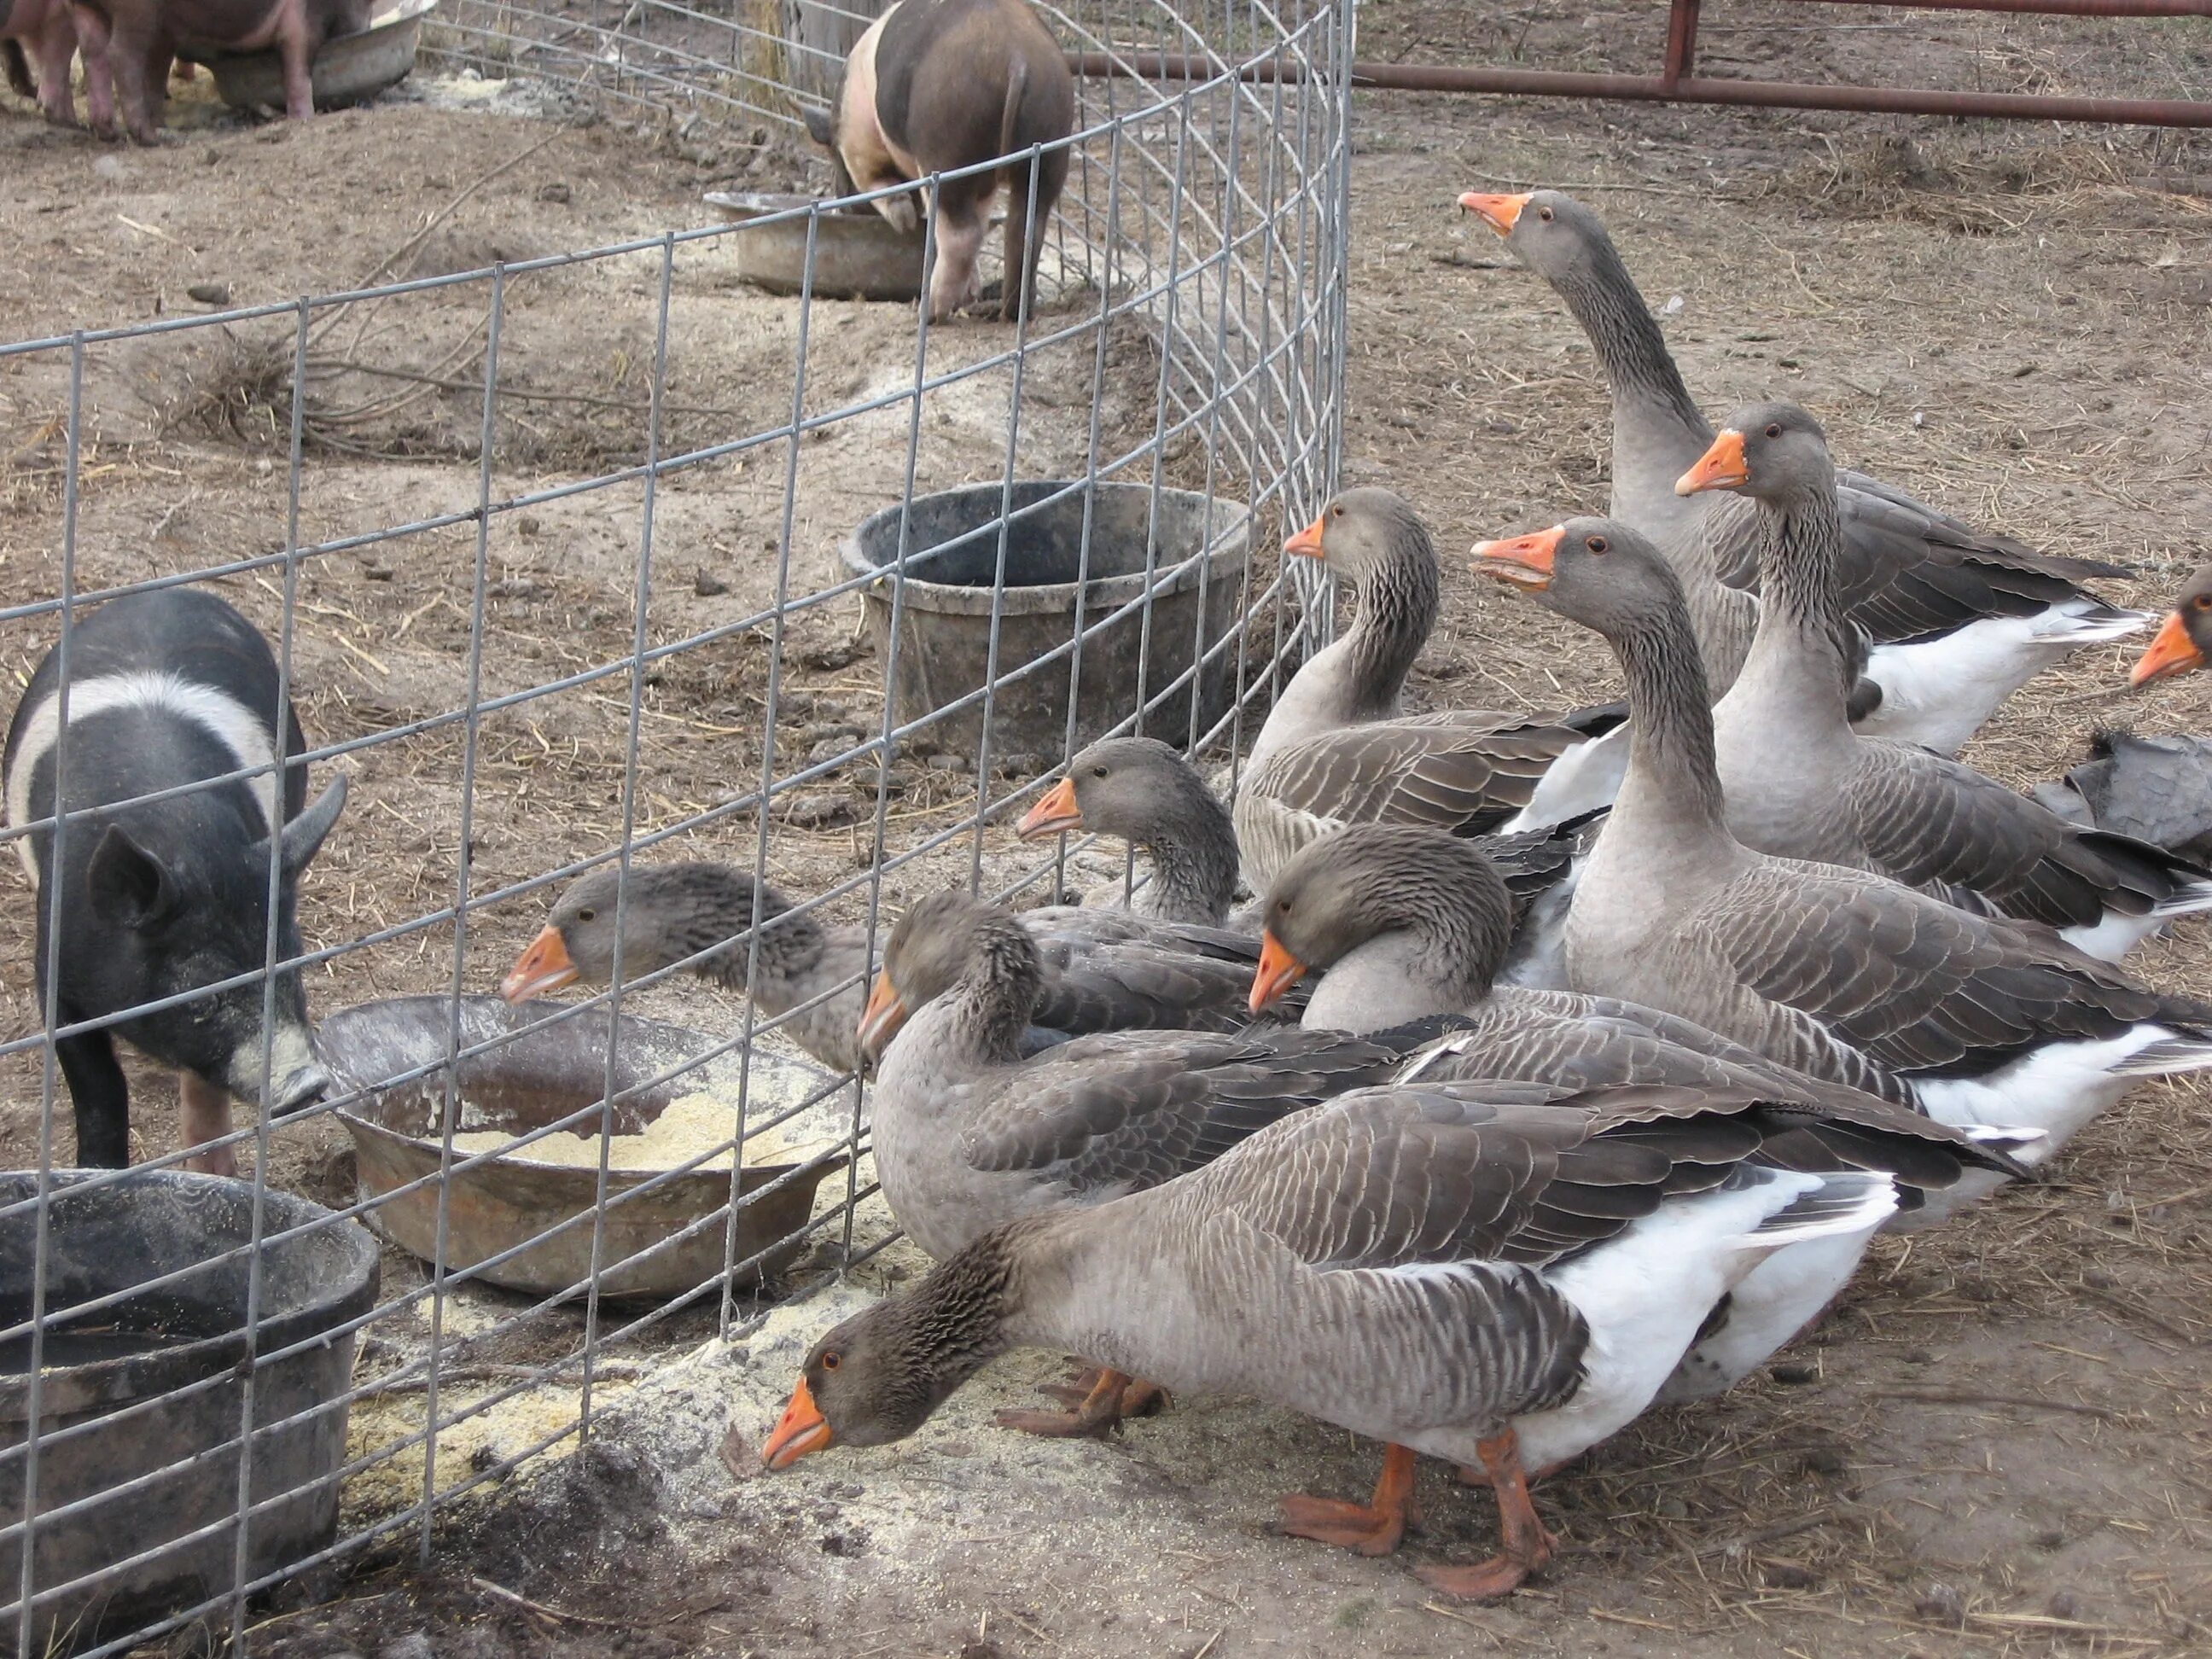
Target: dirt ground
point(1998, 1444)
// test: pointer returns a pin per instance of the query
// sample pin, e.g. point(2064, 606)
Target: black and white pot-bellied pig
point(167, 689)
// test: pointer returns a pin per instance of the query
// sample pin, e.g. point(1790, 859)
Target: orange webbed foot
point(1110, 1397)
point(1371, 1529)
point(1528, 1545)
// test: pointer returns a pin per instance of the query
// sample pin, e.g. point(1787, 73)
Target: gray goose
point(2157, 789)
point(1958, 618)
point(1104, 972)
point(1992, 1021)
point(2184, 640)
point(968, 1132)
point(1338, 748)
point(1146, 793)
point(1404, 924)
point(1499, 1274)
point(1800, 783)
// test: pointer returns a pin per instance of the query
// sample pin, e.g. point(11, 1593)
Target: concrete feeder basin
point(349, 69)
point(106, 1239)
point(554, 1067)
point(946, 621)
point(857, 255)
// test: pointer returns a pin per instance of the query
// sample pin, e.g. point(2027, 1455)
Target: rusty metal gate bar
point(1675, 83)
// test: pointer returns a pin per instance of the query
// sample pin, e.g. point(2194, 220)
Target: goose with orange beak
point(2183, 640)
point(1146, 792)
point(1498, 1275)
point(1957, 618)
point(1801, 783)
point(1339, 746)
point(970, 1130)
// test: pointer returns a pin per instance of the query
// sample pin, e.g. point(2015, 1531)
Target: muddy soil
point(1998, 1443)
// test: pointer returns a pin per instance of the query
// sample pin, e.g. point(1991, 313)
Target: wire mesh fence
point(820, 590)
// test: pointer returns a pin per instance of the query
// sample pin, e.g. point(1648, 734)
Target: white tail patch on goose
point(2059, 1086)
point(215, 711)
point(1938, 692)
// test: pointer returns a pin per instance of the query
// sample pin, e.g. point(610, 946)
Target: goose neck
point(1398, 598)
point(1193, 850)
point(1672, 791)
point(1649, 400)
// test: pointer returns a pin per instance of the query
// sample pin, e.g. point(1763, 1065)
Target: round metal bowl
point(657, 1242)
point(857, 254)
point(350, 69)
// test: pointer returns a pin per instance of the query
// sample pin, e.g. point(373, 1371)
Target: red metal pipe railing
point(1677, 83)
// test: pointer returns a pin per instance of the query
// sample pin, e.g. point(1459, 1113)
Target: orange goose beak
point(1523, 560)
point(1307, 543)
point(1721, 467)
point(1056, 812)
point(1279, 970)
point(2170, 652)
point(1501, 213)
point(885, 1014)
point(542, 966)
point(802, 1429)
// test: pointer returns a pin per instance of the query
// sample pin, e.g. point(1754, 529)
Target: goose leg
point(1471, 1475)
point(1371, 1529)
point(1114, 1396)
point(1138, 1400)
point(1527, 1545)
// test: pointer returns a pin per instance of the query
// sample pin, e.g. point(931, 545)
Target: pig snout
point(296, 1077)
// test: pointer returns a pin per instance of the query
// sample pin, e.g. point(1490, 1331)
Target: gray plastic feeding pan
point(858, 253)
point(109, 1238)
point(351, 68)
point(945, 625)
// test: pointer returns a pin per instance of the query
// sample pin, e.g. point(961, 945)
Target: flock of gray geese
point(1561, 1065)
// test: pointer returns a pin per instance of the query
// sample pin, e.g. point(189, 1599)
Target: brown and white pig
point(44, 32)
point(140, 37)
point(938, 85)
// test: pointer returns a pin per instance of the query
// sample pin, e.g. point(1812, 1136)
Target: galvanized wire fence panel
point(554, 684)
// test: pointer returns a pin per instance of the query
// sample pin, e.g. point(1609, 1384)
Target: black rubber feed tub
point(945, 633)
point(109, 1238)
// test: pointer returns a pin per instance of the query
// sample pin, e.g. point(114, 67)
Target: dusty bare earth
point(1998, 1444)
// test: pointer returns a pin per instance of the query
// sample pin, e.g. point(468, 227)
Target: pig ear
point(817, 125)
point(128, 885)
point(303, 836)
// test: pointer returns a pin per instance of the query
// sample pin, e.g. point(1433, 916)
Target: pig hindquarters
point(935, 86)
point(141, 37)
point(45, 32)
point(156, 900)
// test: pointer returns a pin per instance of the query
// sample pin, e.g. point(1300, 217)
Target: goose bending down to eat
point(2157, 789)
point(969, 1133)
point(1958, 619)
point(1145, 792)
point(1403, 923)
point(2184, 640)
point(1992, 1021)
point(1501, 1274)
point(1103, 971)
point(1800, 783)
point(1337, 748)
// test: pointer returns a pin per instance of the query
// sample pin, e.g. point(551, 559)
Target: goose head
point(1548, 231)
point(1596, 572)
point(1773, 451)
point(663, 915)
point(880, 1375)
point(2183, 640)
point(1347, 889)
point(946, 942)
point(1364, 532)
point(1125, 786)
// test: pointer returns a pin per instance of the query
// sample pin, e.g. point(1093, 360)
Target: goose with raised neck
point(1992, 1022)
point(1146, 792)
point(1482, 1271)
point(1338, 748)
point(1957, 618)
point(1801, 783)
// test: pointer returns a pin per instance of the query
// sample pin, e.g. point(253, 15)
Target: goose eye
point(1544, 214)
point(2202, 601)
point(1774, 430)
point(1597, 545)
point(586, 916)
point(1337, 510)
point(831, 1360)
point(1097, 771)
